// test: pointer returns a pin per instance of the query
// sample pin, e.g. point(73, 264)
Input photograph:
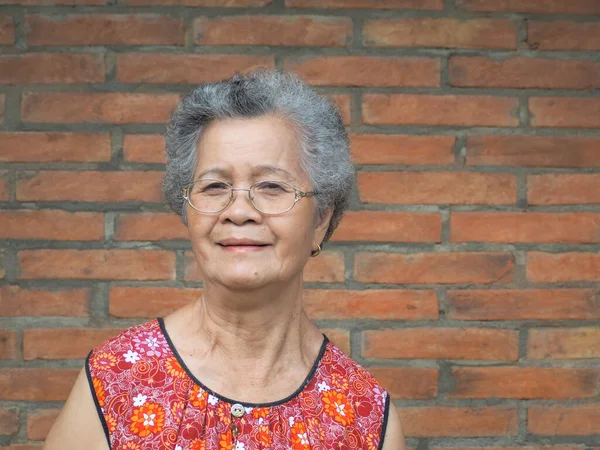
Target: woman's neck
point(269, 338)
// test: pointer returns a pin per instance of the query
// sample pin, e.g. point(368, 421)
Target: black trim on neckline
point(96, 402)
point(307, 380)
point(385, 420)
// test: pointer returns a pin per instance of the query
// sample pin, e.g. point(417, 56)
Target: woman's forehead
point(264, 145)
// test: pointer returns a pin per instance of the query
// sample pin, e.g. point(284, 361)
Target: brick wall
point(466, 275)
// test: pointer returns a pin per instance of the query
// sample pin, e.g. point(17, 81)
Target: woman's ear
point(322, 226)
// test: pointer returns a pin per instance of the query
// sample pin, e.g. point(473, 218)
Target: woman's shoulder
point(132, 344)
point(339, 362)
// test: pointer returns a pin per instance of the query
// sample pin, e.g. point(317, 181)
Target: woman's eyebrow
point(258, 170)
point(267, 169)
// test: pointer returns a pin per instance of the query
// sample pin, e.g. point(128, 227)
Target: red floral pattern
point(149, 401)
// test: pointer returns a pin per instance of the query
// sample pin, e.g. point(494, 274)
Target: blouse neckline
point(297, 392)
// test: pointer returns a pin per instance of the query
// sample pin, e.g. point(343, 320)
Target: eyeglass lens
point(269, 197)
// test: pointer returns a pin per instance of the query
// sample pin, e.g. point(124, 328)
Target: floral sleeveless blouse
point(147, 399)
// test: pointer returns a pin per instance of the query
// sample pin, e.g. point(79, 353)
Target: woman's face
point(242, 152)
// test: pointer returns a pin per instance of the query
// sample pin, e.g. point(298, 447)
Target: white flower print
point(248, 410)
point(303, 438)
point(178, 447)
point(139, 400)
point(260, 420)
point(212, 399)
point(291, 422)
point(151, 343)
point(149, 419)
point(132, 357)
point(340, 409)
point(240, 446)
point(379, 395)
point(323, 386)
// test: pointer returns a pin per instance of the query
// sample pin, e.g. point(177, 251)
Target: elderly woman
point(259, 169)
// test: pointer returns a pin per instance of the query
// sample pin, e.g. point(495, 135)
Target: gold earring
point(316, 252)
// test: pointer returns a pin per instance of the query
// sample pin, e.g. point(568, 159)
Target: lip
point(241, 242)
point(244, 248)
point(242, 245)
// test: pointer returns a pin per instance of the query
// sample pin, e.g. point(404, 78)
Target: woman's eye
point(273, 187)
point(215, 187)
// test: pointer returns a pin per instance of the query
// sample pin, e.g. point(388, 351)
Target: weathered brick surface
point(441, 343)
point(54, 147)
point(104, 29)
point(411, 109)
point(441, 32)
point(53, 68)
point(321, 31)
point(184, 69)
point(465, 274)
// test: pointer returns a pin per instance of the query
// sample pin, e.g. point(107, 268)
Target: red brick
point(532, 6)
point(16, 301)
point(55, 2)
point(433, 188)
point(117, 108)
point(4, 186)
point(343, 103)
point(328, 267)
point(2, 263)
point(214, 3)
point(381, 226)
point(442, 343)
point(415, 109)
point(51, 68)
point(430, 5)
point(565, 112)
point(402, 149)
point(150, 227)
point(104, 29)
point(525, 382)
point(388, 304)
point(426, 268)
point(535, 73)
point(186, 69)
point(35, 146)
point(563, 189)
point(146, 148)
point(573, 420)
point(340, 337)
point(563, 35)
point(117, 264)
point(366, 71)
point(440, 32)
point(43, 385)
point(534, 227)
point(7, 30)
point(90, 186)
point(8, 344)
point(563, 343)
point(530, 304)
point(9, 421)
point(533, 151)
point(413, 383)
point(447, 421)
point(324, 31)
point(51, 224)
point(149, 302)
point(63, 343)
point(562, 267)
point(40, 422)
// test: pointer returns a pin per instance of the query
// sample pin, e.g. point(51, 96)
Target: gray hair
point(324, 143)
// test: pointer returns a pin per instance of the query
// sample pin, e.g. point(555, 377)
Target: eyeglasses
point(210, 196)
